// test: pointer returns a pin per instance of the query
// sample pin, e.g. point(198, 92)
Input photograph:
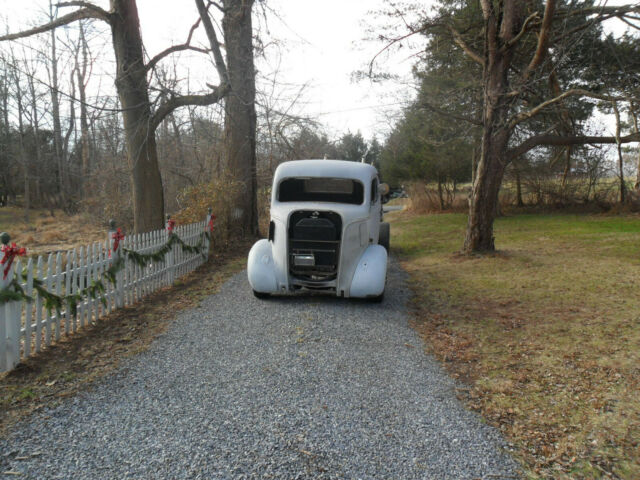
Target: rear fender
point(261, 269)
point(371, 273)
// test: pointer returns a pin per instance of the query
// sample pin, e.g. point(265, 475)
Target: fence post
point(116, 255)
point(210, 231)
point(169, 257)
point(9, 321)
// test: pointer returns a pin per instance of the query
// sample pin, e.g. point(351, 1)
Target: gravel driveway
point(293, 387)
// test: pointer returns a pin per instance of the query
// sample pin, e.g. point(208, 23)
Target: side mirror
point(384, 192)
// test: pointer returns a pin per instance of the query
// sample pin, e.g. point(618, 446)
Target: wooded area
point(511, 88)
point(509, 94)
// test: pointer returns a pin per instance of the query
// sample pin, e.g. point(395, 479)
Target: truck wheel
point(385, 235)
point(260, 295)
point(377, 299)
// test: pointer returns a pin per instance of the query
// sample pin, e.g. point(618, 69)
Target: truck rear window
point(336, 190)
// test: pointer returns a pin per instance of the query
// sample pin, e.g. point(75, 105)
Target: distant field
point(44, 233)
point(546, 333)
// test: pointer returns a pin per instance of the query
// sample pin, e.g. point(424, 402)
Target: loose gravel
point(290, 387)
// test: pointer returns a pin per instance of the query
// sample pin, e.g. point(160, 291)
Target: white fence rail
point(28, 327)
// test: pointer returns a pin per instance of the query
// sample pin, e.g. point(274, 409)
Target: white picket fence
point(28, 327)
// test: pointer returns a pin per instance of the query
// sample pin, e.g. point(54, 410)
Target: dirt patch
point(75, 362)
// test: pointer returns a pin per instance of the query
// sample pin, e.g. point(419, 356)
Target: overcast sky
point(315, 43)
point(319, 43)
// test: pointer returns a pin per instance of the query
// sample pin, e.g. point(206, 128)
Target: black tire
point(261, 295)
point(377, 299)
point(385, 235)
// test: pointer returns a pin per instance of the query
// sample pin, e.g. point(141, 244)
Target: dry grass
point(546, 333)
point(44, 234)
point(73, 363)
point(424, 198)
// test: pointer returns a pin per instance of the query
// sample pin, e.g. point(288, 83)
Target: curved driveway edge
point(291, 387)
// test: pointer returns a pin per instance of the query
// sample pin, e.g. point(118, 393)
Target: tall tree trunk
point(24, 158)
point(131, 83)
point(483, 204)
point(440, 195)
point(623, 187)
point(55, 113)
point(500, 28)
point(35, 128)
point(519, 200)
point(634, 117)
point(240, 112)
point(81, 71)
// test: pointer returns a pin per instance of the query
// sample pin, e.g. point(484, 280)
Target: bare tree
point(140, 121)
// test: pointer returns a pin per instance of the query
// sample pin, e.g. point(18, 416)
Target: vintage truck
point(326, 232)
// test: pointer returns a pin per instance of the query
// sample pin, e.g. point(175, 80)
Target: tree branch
point(444, 113)
point(81, 4)
point(476, 57)
point(521, 117)
point(521, 33)
point(184, 100)
point(93, 12)
point(540, 140)
point(177, 48)
point(217, 5)
point(213, 40)
point(602, 10)
point(543, 37)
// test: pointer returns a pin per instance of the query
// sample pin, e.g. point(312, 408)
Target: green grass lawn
point(546, 332)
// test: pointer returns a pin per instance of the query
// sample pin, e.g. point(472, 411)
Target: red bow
point(10, 251)
point(170, 225)
point(213, 217)
point(117, 236)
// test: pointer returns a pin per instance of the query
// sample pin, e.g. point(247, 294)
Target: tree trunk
point(440, 195)
point(35, 128)
point(81, 72)
point(24, 159)
point(240, 112)
point(55, 113)
point(483, 206)
point(623, 187)
point(131, 83)
point(519, 201)
point(634, 118)
point(483, 203)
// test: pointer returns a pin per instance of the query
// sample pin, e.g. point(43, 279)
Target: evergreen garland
point(14, 291)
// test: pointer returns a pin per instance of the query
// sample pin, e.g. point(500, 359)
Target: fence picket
point(109, 286)
point(38, 302)
point(58, 291)
point(49, 312)
point(140, 248)
point(157, 267)
point(97, 276)
point(74, 286)
point(4, 316)
point(13, 328)
point(100, 308)
point(28, 310)
point(67, 291)
point(81, 285)
point(148, 269)
point(91, 262)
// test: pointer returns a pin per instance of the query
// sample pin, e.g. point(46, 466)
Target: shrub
point(217, 194)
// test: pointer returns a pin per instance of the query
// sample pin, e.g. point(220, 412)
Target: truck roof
point(325, 168)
